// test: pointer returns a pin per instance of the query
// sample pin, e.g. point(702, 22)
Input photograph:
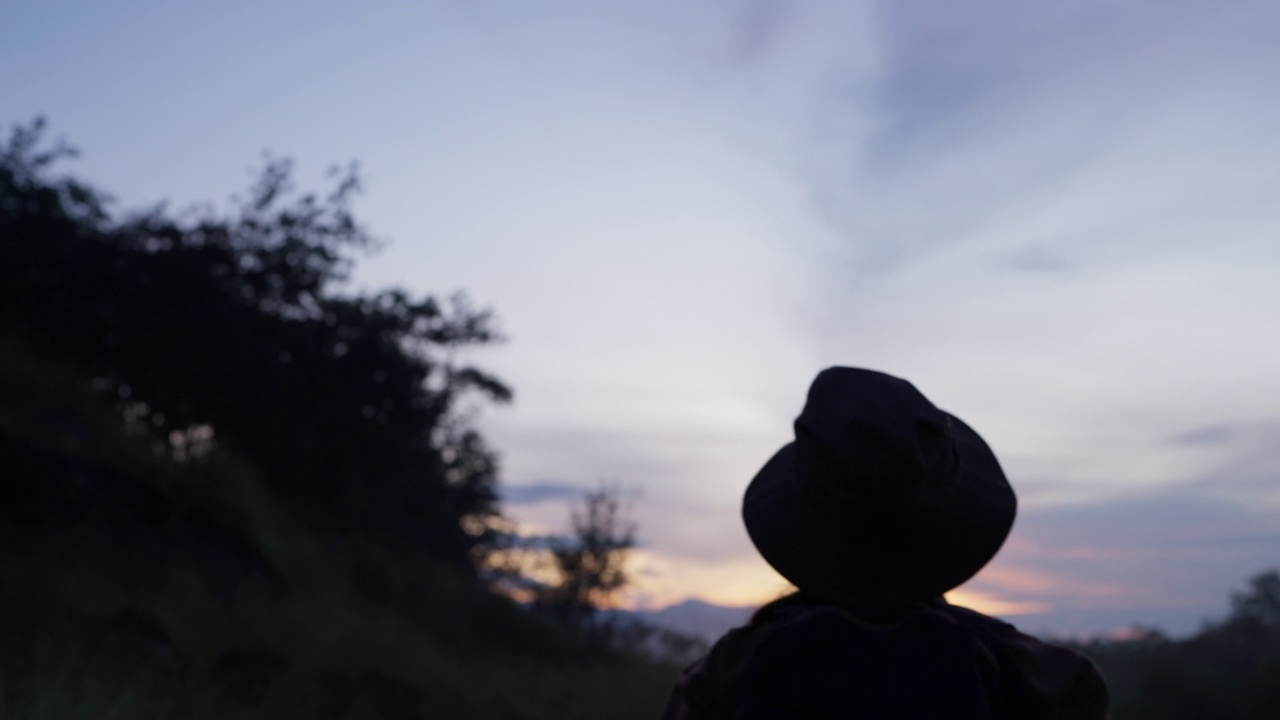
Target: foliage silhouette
point(136, 584)
point(236, 327)
point(590, 564)
point(1230, 670)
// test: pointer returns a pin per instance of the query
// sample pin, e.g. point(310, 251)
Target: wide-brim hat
point(881, 497)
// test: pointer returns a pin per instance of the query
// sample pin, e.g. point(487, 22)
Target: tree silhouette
point(591, 564)
point(239, 323)
point(1227, 670)
point(1260, 603)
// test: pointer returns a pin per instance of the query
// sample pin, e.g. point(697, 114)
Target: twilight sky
point(1060, 222)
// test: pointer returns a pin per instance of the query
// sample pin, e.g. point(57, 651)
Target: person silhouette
point(880, 505)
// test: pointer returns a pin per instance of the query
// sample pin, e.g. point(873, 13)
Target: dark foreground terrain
point(135, 585)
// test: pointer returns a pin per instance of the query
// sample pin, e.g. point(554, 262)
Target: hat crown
point(869, 440)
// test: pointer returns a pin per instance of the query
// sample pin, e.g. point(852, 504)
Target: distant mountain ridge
point(694, 618)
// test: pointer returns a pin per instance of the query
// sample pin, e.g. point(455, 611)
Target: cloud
point(531, 493)
point(686, 481)
point(949, 68)
point(1206, 435)
point(1038, 260)
point(1078, 130)
point(761, 23)
point(1164, 557)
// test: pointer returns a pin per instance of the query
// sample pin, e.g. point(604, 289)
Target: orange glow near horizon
point(988, 604)
point(659, 581)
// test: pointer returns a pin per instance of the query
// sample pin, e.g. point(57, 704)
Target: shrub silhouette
point(235, 328)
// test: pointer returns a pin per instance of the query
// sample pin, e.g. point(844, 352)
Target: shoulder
point(1058, 681)
point(704, 687)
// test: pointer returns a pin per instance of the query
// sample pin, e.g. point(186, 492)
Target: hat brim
point(944, 539)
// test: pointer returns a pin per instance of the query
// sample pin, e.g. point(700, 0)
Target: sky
point(1058, 221)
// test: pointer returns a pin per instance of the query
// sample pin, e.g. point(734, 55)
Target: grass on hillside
point(337, 627)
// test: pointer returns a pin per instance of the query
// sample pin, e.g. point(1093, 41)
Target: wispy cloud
point(1166, 557)
point(528, 494)
point(1054, 220)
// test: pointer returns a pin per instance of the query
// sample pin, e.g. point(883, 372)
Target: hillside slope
point(135, 583)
